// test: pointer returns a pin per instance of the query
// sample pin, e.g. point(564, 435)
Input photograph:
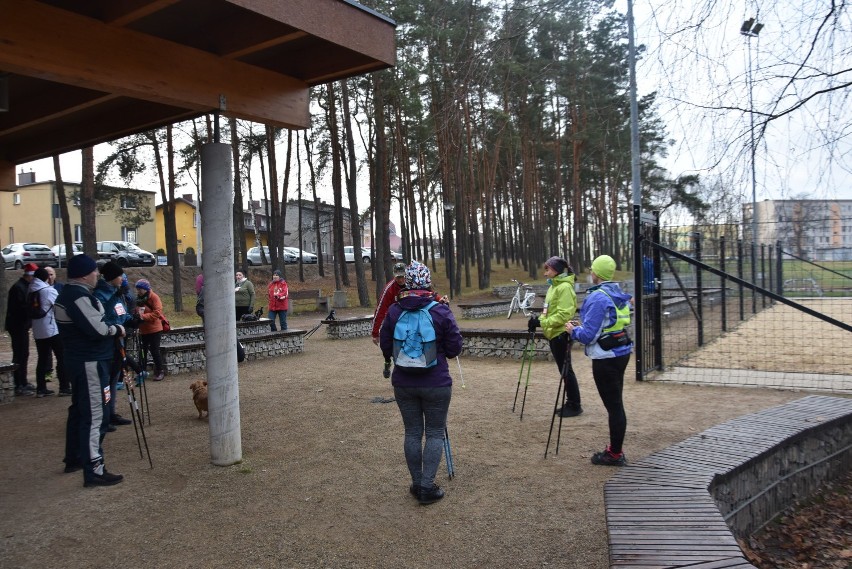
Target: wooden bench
point(686, 505)
point(311, 297)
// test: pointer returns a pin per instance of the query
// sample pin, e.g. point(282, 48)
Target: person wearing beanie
point(89, 345)
point(18, 325)
point(279, 294)
point(560, 306)
point(605, 315)
point(108, 292)
point(46, 334)
point(149, 309)
point(422, 393)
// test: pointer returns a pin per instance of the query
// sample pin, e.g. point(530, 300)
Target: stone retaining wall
point(191, 334)
point(344, 328)
point(485, 309)
point(7, 382)
point(190, 356)
point(503, 344)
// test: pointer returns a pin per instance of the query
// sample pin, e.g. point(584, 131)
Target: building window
point(128, 202)
point(78, 233)
point(128, 234)
point(16, 198)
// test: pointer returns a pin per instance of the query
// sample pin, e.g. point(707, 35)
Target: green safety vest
point(622, 316)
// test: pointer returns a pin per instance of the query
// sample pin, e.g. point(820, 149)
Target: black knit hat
point(111, 270)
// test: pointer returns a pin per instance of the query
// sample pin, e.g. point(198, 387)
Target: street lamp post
point(750, 29)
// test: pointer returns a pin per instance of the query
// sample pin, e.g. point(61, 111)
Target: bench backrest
point(305, 294)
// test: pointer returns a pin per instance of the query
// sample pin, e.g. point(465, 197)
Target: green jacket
point(560, 305)
point(244, 293)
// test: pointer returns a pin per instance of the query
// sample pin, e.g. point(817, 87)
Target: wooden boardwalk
point(659, 511)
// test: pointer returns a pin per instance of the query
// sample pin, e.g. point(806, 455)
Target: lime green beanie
point(604, 267)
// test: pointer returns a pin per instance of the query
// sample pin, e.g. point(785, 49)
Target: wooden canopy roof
point(83, 72)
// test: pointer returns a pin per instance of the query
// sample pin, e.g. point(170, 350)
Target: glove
point(533, 324)
point(133, 323)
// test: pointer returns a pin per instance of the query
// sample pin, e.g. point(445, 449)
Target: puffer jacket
point(46, 327)
point(560, 305)
point(115, 309)
point(598, 313)
point(151, 315)
point(278, 295)
point(448, 340)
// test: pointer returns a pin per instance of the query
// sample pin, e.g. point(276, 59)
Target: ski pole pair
point(136, 414)
point(526, 361)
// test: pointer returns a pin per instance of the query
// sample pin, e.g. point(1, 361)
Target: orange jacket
point(151, 311)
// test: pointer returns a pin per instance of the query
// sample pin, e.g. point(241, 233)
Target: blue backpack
point(414, 339)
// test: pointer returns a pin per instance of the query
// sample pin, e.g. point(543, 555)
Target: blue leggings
point(423, 410)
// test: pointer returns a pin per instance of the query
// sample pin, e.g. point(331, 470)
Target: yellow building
point(186, 224)
point(30, 213)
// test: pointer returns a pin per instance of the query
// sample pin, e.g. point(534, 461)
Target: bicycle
point(522, 303)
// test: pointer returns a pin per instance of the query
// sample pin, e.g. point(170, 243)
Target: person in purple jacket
point(605, 315)
point(423, 394)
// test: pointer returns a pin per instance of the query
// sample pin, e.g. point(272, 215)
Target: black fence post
point(724, 284)
point(779, 269)
point(740, 276)
point(763, 272)
point(699, 304)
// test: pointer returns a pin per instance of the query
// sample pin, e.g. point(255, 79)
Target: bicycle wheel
point(513, 306)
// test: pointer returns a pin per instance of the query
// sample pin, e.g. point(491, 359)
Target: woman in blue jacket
point(604, 315)
point(422, 393)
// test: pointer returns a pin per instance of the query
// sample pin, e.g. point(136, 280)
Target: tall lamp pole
point(750, 29)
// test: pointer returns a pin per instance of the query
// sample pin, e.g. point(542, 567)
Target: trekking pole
point(461, 373)
point(127, 380)
point(448, 452)
point(526, 360)
point(137, 416)
point(553, 419)
point(143, 386)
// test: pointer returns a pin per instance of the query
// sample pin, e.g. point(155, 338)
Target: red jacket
point(278, 295)
point(392, 290)
point(153, 311)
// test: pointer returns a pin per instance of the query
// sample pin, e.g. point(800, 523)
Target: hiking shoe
point(570, 410)
point(65, 392)
point(160, 376)
point(119, 386)
point(430, 496)
point(44, 392)
point(71, 467)
point(105, 479)
point(386, 370)
point(111, 428)
point(609, 458)
point(27, 389)
point(414, 490)
point(117, 419)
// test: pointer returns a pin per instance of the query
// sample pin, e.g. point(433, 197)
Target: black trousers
point(47, 348)
point(151, 345)
point(609, 379)
point(560, 347)
point(20, 354)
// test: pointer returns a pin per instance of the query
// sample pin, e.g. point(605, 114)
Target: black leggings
point(609, 379)
point(151, 345)
point(560, 347)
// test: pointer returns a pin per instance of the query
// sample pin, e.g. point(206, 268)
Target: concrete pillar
point(220, 330)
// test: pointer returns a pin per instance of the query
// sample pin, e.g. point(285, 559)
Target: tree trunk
point(67, 230)
point(87, 204)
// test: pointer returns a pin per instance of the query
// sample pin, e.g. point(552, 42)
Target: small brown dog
point(199, 396)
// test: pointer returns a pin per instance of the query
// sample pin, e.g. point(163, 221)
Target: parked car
point(59, 251)
point(396, 256)
point(16, 255)
point(307, 258)
point(253, 256)
point(349, 254)
point(125, 254)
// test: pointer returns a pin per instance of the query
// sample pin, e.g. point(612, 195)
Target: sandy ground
point(323, 481)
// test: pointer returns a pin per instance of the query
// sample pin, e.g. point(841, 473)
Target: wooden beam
point(7, 176)
point(41, 41)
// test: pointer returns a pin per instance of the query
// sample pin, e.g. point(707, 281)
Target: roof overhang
point(81, 73)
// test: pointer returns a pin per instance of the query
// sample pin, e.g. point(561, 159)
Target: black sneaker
point(570, 410)
point(44, 392)
point(386, 370)
point(25, 390)
point(111, 428)
point(117, 419)
point(71, 467)
point(608, 458)
point(105, 479)
point(430, 496)
point(414, 490)
point(65, 392)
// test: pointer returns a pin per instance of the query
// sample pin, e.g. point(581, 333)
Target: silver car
point(253, 256)
point(16, 255)
point(307, 258)
point(59, 251)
